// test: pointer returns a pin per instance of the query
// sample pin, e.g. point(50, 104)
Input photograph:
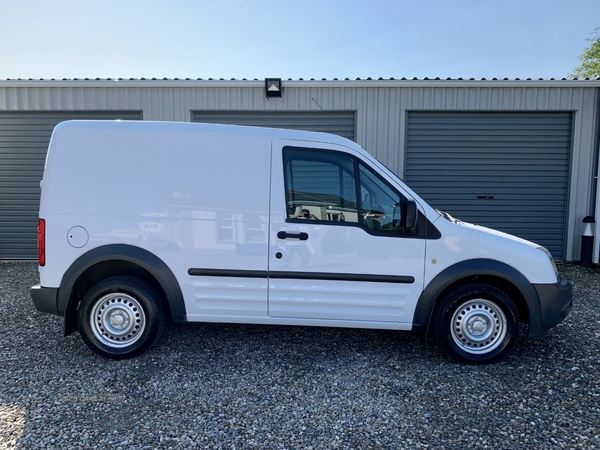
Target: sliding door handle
point(285, 235)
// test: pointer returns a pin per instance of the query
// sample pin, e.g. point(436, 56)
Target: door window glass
point(381, 204)
point(320, 185)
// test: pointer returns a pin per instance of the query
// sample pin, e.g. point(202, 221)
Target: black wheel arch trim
point(472, 268)
point(163, 275)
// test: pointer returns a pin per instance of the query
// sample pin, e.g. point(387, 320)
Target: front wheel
point(121, 317)
point(477, 323)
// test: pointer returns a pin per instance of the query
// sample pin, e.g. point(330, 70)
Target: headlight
point(549, 255)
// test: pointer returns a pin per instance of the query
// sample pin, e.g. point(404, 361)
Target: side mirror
point(411, 216)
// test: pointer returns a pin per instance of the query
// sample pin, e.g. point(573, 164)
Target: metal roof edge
point(441, 83)
point(234, 83)
point(126, 83)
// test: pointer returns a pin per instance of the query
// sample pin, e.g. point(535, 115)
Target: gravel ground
point(242, 386)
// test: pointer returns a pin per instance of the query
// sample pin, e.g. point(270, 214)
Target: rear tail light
point(42, 242)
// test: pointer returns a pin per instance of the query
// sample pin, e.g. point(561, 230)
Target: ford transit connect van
point(144, 222)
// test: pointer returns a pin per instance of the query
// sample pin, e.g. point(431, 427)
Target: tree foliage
point(590, 60)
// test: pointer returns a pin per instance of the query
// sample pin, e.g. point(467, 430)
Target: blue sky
point(294, 39)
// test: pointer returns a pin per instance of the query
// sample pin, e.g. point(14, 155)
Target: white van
point(144, 222)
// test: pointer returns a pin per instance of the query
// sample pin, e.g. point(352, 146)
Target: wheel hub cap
point(477, 326)
point(119, 320)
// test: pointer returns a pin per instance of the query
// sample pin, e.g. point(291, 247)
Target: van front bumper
point(45, 299)
point(556, 301)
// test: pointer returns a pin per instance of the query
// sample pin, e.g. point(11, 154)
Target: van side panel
point(195, 197)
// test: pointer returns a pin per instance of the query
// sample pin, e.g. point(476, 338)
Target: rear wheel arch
point(117, 260)
point(495, 273)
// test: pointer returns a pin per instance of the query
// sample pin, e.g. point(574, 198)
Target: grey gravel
point(242, 386)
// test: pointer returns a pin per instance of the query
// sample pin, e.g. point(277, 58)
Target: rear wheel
point(121, 317)
point(477, 323)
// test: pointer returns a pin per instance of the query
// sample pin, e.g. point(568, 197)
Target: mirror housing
point(411, 216)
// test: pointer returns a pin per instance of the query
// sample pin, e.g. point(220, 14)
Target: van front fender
point(467, 270)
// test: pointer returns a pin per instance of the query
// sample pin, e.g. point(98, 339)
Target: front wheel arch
point(496, 273)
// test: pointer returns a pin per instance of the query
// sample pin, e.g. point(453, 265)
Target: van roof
point(238, 130)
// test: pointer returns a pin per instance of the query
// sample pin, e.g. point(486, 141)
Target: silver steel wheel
point(117, 320)
point(478, 326)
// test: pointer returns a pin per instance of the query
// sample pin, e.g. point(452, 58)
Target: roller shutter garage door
point(24, 138)
point(507, 171)
point(334, 122)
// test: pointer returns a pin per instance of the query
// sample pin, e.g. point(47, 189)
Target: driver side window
point(337, 188)
point(320, 185)
point(381, 205)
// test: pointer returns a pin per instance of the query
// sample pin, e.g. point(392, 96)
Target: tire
point(477, 323)
point(121, 317)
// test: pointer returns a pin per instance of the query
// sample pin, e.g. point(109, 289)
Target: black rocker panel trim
point(228, 273)
point(403, 279)
point(302, 275)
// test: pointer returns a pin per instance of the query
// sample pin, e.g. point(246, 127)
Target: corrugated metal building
point(517, 155)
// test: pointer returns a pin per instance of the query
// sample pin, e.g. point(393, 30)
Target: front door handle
point(285, 235)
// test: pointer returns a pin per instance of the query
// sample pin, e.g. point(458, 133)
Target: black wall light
point(273, 87)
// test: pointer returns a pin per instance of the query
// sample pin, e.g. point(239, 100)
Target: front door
point(338, 250)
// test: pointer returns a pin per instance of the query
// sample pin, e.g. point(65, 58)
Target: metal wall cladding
point(380, 109)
